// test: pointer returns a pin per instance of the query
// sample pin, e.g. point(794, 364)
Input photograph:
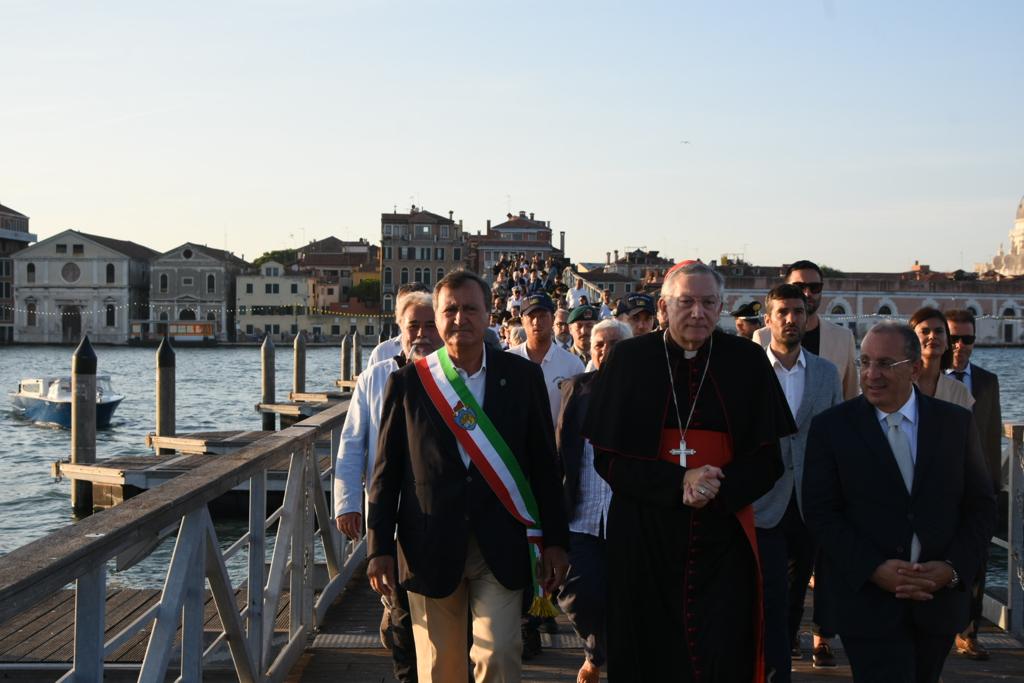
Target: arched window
point(30, 313)
point(405, 276)
point(163, 282)
point(426, 276)
point(1009, 312)
point(884, 310)
point(110, 273)
point(30, 274)
point(389, 304)
point(387, 276)
point(163, 316)
point(974, 311)
point(838, 309)
point(211, 315)
point(440, 274)
point(187, 314)
point(418, 275)
point(211, 284)
point(111, 316)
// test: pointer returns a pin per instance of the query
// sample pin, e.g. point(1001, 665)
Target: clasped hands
point(701, 484)
point(912, 580)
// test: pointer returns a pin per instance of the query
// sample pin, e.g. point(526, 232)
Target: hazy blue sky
point(864, 135)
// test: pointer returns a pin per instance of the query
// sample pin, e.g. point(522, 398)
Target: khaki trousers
point(439, 628)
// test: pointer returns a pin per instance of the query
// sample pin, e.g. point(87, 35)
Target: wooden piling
point(346, 357)
point(299, 364)
point(357, 356)
point(267, 363)
point(83, 421)
point(165, 392)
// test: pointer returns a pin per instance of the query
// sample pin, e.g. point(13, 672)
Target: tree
point(282, 256)
point(828, 271)
point(367, 291)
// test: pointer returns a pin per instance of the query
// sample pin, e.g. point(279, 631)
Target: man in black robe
point(680, 540)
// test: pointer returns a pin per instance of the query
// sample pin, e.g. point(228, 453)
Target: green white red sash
point(483, 444)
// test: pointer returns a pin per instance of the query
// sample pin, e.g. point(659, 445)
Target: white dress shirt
point(573, 297)
point(967, 380)
point(358, 448)
point(909, 424)
point(557, 365)
point(389, 348)
point(792, 380)
point(595, 495)
point(476, 383)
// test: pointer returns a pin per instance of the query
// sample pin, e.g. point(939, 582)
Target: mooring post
point(346, 357)
point(165, 392)
point(267, 362)
point(299, 364)
point(357, 356)
point(83, 421)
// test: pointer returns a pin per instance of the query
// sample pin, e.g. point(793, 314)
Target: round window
point(70, 272)
point(187, 253)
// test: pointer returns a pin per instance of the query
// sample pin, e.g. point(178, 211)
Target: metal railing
point(1009, 615)
point(79, 553)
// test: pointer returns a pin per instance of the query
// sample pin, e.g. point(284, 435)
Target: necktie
point(900, 445)
point(959, 374)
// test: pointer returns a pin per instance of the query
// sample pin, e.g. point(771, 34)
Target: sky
point(862, 135)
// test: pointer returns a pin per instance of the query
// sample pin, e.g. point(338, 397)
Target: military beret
point(583, 313)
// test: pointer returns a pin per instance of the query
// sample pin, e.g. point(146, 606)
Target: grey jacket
point(822, 390)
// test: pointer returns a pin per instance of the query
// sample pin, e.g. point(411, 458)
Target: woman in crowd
point(933, 331)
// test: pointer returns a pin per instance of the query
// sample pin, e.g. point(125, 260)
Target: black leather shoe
point(531, 641)
point(822, 657)
point(971, 649)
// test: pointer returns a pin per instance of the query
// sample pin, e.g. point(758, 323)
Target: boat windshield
point(59, 388)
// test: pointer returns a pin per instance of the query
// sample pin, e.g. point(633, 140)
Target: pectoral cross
point(682, 452)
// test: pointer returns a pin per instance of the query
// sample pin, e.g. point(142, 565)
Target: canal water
point(217, 389)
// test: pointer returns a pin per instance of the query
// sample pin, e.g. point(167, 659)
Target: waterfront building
point(14, 236)
point(519, 234)
point(337, 266)
point(1008, 264)
point(274, 299)
point(636, 271)
point(418, 246)
point(859, 300)
point(75, 283)
point(193, 282)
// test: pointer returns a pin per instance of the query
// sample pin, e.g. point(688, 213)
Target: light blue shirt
point(967, 380)
point(908, 425)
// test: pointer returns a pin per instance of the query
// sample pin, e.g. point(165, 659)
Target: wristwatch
point(955, 581)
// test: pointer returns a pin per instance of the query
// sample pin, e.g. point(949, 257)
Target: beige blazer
point(949, 389)
point(837, 347)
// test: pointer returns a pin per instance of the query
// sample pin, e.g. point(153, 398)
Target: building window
point(884, 310)
point(30, 272)
point(186, 282)
point(30, 314)
point(457, 254)
point(417, 275)
point(187, 254)
point(424, 253)
point(62, 248)
point(423, 230)
point(163, 316)
point(335, 330)
point(444, 232)
point(1009, 312)
point(110, 273)
point(111, 319)
point(330, 291)
point(295, 328)
point(368, 330)
point(974, 311)
point(248, 330)
point(248, 288)
point(387, 230)
point(387, 253)
point(211, 284)
point(242, 309)
point(426, 276)
point(163, 282)
point(439, 253)
point(629, 288)
point(268, 288)
point(440, 274)
point(389, 303)
point(295, 288)
point(387, 276)
point(77, 249)
point(838, 309)
point(211, 315)
point(405, 276)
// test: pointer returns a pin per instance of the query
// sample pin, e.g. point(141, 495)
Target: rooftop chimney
point(508, 216)
point(616, 255)
point(531, 215)
point(608, 257)
point(522, 214)
point(561, 242)
point(450, 214)
point(488, 225)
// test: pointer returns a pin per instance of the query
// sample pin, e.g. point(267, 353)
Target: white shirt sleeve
point(350, 469)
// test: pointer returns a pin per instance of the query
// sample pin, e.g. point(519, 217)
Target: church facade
point(1008, 264)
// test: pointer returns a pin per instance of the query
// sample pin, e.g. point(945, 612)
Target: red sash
point(715, 449)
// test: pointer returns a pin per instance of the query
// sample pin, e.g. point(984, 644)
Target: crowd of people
point(671, 487)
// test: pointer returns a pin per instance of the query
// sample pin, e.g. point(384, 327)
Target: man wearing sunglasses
point(984, 387)
point(832, 342)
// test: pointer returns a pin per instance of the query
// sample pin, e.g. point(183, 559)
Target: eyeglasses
point(708, 303)
point(812, 287)
point(881, 365)
point(966, 339)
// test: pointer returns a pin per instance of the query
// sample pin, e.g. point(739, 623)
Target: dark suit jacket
point(857, 507)
point(569, 435)
point(420, 483)
point(989, 416)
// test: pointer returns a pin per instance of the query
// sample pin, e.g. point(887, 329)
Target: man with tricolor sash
point(466, 470)
point(685, 426)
